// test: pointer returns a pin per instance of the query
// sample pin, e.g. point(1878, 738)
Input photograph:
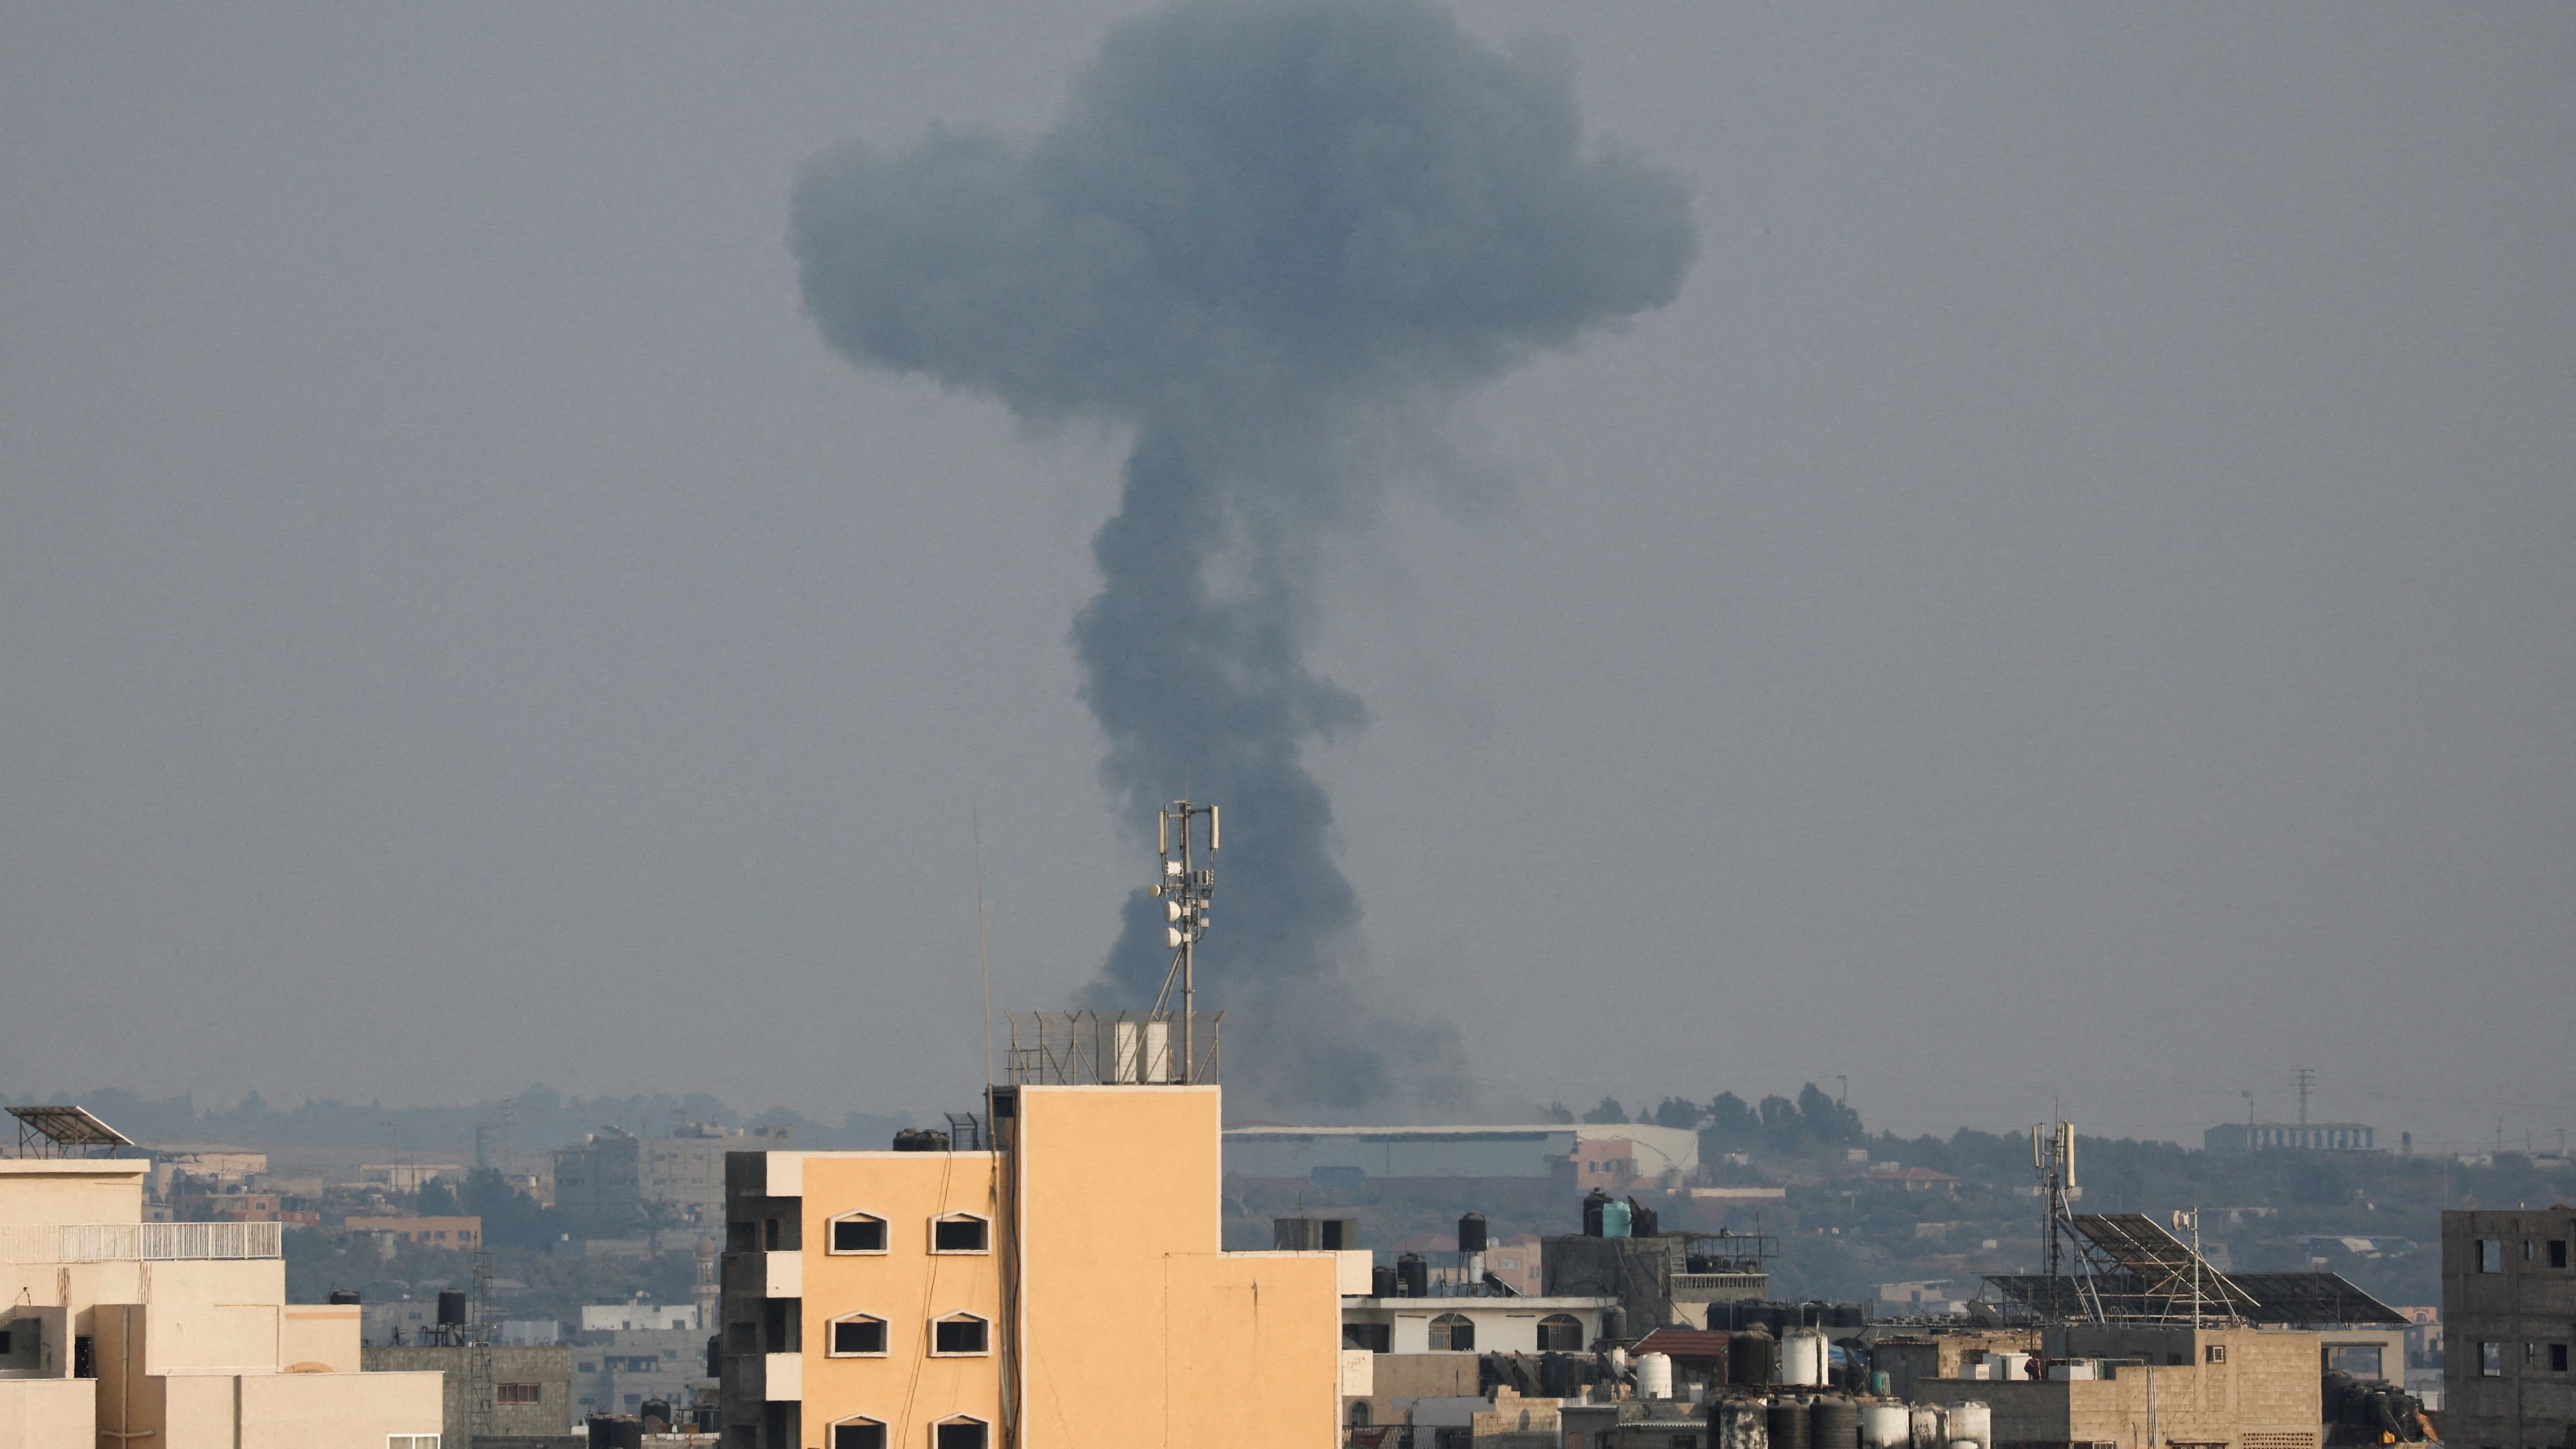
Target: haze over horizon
point(2070, 606)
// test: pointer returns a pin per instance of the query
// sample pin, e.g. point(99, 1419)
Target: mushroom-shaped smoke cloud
point(1268, 236)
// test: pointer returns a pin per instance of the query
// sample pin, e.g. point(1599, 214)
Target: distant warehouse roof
point(1504, 1151)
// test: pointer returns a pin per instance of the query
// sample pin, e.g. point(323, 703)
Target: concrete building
point(1651, 1279)
point(1615, 1155)
point(531, 1387)
point(2288, 1137)
point(457, 1232)
point(1065, 1289)
point(1470, 1326)
point(2182, 1387)
point(2508, 1326)
point(619, 1370)
point(616, 1177)
point(114, 1331)
point(596, 1317)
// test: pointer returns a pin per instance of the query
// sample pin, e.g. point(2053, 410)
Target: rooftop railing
point(139, 1242)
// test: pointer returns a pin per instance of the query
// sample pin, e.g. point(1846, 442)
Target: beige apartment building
point(1064, 1291)
point(2145, 1386)
point(117, 1332)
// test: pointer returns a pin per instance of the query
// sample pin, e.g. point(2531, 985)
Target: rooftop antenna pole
point(2306, 1077)
point(1184, 887)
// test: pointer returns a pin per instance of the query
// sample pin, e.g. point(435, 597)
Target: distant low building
point(645, 1316)
point(2288, 1137)
point(460, 1232)
point(531, 1387)
point(615, 1177)
point(1612, 1155)
point(408, 1176)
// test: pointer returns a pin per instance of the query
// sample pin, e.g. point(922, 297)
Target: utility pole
point(2306, 1077)
point(1184, 887)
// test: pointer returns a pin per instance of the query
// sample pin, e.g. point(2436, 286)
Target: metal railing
point(1090, 1048)
point(139, 1242)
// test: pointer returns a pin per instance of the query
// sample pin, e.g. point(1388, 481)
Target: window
point(1452, 1332)
point(958, 1233)
point(1560, 1333)
point(959, 1434)
point(515, 1394)
point(2557, 1252)
point(2558, 1358)
point(962, 1334)
point(858, 1336)
point(858, 1233)
point(2490, 1255)
point(2214, 1353)
point(2490, 1359)
point(1375, 1337)
point(858, 1434)
point(769, 1235)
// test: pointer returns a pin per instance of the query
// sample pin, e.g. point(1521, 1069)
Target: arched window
point(858, 1434)
point(959, 1335)
point(960, 1233)
point(857, 1233)
point(961, 1433)
point(1452, 1332)
point(1560, 1333)
point(860, 1335)
point(1359, 1414)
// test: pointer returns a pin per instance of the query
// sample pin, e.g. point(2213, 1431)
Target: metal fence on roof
point(139, 1242)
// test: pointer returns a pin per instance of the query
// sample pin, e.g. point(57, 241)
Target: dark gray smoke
point(1279, 239)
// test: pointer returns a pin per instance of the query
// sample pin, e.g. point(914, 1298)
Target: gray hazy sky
point(2074, 602)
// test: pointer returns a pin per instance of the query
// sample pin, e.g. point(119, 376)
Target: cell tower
point(2052, 1157)
point(1184, 887)
point(2306, 1078)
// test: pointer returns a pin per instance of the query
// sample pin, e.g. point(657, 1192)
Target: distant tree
point(1608, 1111)
point(1559, 1112)
point(1677, 1112)
point(1730, 1118)
point(1827, 1120)
point(1779, 1118)
point(436, 1200)
point(511, 1219)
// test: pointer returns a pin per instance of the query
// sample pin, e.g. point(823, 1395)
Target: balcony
point(139, 1242)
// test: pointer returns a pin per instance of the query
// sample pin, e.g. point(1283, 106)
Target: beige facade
point(172, 1335)
point(1108, 1312)
point(2185, 1388)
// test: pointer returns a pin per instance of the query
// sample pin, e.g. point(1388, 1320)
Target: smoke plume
point(1278, 240)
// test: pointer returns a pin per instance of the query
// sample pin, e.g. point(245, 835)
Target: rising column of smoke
point(1268, 236)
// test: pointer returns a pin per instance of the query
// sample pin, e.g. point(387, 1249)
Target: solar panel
point(62, 1127)
point(2299, 1299)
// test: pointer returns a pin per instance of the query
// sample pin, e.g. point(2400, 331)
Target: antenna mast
point(1184, 887)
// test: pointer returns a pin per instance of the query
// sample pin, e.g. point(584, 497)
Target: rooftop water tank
point(1972, 1422)
point(1743, 1423)
point(1834, 1423)
point(1787, 1422)
point(1885, 1425)
point(1654, 1376)
point(1923, 1428)
point(1802, 1357)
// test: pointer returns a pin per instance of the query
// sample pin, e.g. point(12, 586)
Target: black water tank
point(1471, 1233)
point(922, 1139)
point(617, 1432)
point(1556, 1376)
point(715, 1355)
point(1849, 1315)
point(1752, 1357)
point(1614, 1322)
point(1787, 1424)
point(1593, 1203)
point(1412, 1276)
point(656, 1409)
point(451, 1308)
point(343, 1296)
point(1834, 1424)
point(1642, 1222)
point(1382, 1281)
